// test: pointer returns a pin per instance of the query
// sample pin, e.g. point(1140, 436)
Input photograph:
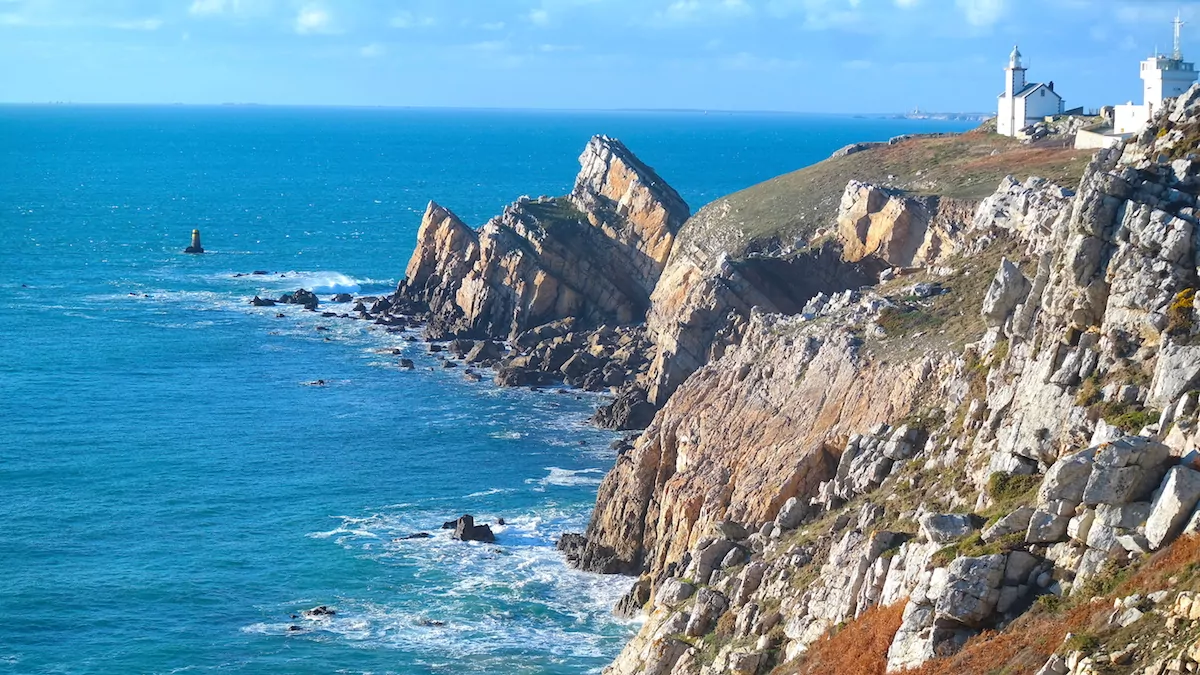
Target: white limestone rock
point(673, 592)
point(1017, 521)
point(1176, 372)
point(972, 590)
point(1177, 498)
point(1008, 289)
point(943, 528)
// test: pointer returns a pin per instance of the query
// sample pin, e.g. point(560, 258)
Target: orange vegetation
point(1022, 647)
point(1155, 575)
point(859, 648)
point(1026, 644)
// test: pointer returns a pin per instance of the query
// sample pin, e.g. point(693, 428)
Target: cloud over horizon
point(814, 55)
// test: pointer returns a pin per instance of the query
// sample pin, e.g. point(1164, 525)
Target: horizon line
point(87, 104)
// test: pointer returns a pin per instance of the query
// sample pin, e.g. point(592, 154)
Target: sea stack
point(195, 247)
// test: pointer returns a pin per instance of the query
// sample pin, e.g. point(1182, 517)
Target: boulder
point(943, 528)
point(710, 605)
point(516, 376)
point(300, 297)
point(629, 411)
point(791, 514)
point(708, 559)
point(630, 605)
point(673, 592)
point(465, 529)
point(1017, 521)
point(319, 612)
point(1175, 373)
point(971, 592)
point(1008, 289)
point(484, 351)
point(1177, 498)
point(343, 297)
point(262, 302)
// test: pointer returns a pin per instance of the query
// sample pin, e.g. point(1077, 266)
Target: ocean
point(172, 489)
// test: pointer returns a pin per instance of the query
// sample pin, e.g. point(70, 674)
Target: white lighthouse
point(1163, 77)
point(1023, 103)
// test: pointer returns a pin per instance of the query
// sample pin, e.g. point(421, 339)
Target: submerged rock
point(319, 612)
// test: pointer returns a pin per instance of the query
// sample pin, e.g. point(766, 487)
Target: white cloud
point(539, 17)
point(406, 19)
point(314, 19)
point(203, 7)
point(982, 12)
point(372, 51)
point(818, 14)
point(496, 25)
point(699, 10)
point(907, 4)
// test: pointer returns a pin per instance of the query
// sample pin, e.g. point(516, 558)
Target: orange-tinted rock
point(594, 255)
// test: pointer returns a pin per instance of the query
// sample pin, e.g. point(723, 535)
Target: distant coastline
point(936, 116)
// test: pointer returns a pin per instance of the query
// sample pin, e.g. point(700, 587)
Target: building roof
point(1030, 88)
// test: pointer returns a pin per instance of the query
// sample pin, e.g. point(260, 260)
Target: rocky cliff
point(593, 255)
point(996, 436)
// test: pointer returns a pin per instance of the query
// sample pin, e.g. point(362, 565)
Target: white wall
point(1004, 117)
point(1090, 140)
point(1129, 118)
point(1041, 103)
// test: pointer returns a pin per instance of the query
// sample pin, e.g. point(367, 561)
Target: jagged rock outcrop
point(700, 303)
point(594, 255)
point(900, 230)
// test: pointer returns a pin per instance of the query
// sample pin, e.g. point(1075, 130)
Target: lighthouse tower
point(1014, 74)
point(1166, 78)
point(1023, 103)
point(1163, 78)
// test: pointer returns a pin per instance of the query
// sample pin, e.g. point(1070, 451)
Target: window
point(1043, 92)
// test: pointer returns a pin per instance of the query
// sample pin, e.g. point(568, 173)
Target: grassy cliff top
point(794, 205)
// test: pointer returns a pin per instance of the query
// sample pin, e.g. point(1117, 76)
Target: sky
point(822, 56)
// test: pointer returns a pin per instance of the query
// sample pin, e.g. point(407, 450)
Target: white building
point(1163, 78)
point(1022, 103)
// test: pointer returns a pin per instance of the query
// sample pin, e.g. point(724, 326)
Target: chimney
point(1051, 85)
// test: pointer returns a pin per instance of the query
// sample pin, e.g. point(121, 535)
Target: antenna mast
point(1178, 53)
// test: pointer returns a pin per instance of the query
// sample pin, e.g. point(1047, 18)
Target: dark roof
point(1031, 88)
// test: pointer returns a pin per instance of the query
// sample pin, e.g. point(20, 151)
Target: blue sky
point(791, 55)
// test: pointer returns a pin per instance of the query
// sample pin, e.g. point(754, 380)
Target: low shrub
point(858, 648)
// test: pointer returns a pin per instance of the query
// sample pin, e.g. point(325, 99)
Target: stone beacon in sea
point(195, 247)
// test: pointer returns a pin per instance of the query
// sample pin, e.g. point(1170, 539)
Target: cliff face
point(743, 435)
point(1009, 414)
point(594, 255)
point(700, 302)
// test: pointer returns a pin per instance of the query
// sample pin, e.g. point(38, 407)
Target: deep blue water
point(171, 491)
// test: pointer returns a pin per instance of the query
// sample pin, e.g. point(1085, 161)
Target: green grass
point(965, 166)
point(950, 320)
point(973, 547)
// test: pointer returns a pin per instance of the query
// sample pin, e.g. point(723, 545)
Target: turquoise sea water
point(171, 491)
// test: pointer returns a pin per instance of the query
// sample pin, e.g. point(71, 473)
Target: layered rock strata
point(594, 255)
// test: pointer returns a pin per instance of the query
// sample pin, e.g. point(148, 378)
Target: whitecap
point(507, 435)
point(568, 477)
